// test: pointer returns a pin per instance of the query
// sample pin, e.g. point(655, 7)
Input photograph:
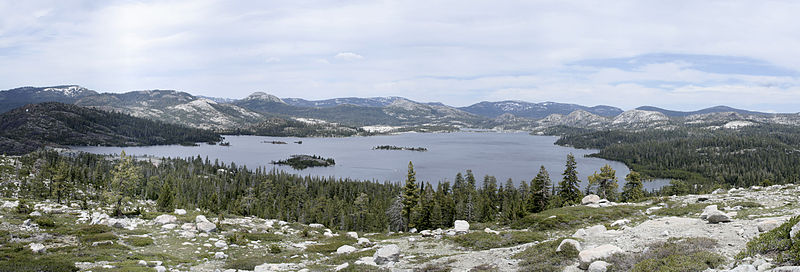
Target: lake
point(503, 155)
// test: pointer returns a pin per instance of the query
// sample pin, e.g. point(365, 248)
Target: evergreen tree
point(569, 192)
point(488, 197)
point(471, 197)
point(539, 195)
point(124, 178)
point(633, 188)
point(605, 183)
point(397, 221)
point(410, 195)
point(165, 201)
point(425, 211)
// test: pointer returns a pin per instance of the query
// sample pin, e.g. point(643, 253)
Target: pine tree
point(539, 195)
point(471, 197)
point(569, 192)
point(395, 215)
point(124, 178)
point(605, 183)
point(633, 188)
point(410, 195)
point(165, 201)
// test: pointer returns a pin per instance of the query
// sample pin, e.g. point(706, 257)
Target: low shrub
point(572, 217)
point(331, 244)
point(139, 241)
point(45, 221)
point(543, 257)
point(674, 255)
point(776, 243)
point(482, 240)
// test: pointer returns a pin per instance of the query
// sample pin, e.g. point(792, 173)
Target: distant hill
point(398, 112)
point(716, 109)
point(33, 126)
point(175, 107)
point(355, 101)
point(535, 110)
point(18, 97)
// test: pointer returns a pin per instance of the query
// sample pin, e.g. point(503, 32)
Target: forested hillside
point(27, 128)
point(745, 156)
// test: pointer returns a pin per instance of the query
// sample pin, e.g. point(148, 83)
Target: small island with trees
point(391, 147)
point(301, 162)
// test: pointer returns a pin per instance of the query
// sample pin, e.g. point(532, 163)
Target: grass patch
point(543, 257)
point(331, 244)
point(45, 221)
point(777, 244)
point(350, 257)
point(434, 267)
point(573, 217)
point(674, 255)
point(363, 268)
point(482, 240)
point(96, 237)
point(16, 257)
point(139, 241)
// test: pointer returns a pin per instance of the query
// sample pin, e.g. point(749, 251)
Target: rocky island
point(305, 161)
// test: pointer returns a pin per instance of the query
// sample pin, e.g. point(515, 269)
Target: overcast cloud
point(676, 54)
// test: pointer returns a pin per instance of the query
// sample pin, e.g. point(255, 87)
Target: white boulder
point(598, 266)
point(461, 226)
point(388, 253)
point(220, 244)
point(316, 226)
point(165, 219)
point(768, 225)
point(180, 211)
point(353, 234)
point(596, 230)
point(794, 231)
point(621, 222)
point(201, 218)
point(587, 256)
point(37, 248)
point(341, 266)
point(590, 199)
point(345, 249)
point(488, 230)
point(206, 227)
point(571, 242)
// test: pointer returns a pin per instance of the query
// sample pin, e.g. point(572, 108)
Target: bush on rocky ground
point(567, 218)
point(482, 240)
point(543, 257)
point(777, 244)
point(676, 254)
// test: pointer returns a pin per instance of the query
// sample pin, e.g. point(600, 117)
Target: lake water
point(503, 155)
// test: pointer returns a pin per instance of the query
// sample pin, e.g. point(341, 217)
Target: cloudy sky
point(676, 54)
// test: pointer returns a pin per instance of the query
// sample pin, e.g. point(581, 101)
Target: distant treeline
point(755, 155)
point(391, 147)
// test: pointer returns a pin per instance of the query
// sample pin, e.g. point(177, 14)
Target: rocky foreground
point(602, 236)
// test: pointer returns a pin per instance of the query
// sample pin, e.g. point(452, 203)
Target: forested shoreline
point(345, 204)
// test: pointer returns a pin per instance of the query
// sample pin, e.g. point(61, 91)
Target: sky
point(681, 55)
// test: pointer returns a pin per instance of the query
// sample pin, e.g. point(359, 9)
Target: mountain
point(716, 109)
point(18, 97)
point(535, 110)
point(634, 119)
point(298, 127)
point(27, 128)
point(355, 101)
point(400, 112)
point(175, 107)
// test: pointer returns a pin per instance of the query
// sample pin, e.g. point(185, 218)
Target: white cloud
point(456, 52)
point(348, 56)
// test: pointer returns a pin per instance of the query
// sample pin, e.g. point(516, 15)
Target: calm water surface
point(503, 155)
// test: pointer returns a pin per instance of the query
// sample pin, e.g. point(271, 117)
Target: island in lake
point(391, 147)
point(305, 161)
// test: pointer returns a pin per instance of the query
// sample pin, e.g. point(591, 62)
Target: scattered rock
point(364, 241)
point(488, 230)
point(587, 256)
point(142, 262)
point(707, 210)
point(579, 233)
point(621, 222)
point(413, 230)
point(180, 211)
point(10, 204)
point(718, 217)
point(165, 219)
point(35, 213)
point(220, 244)
point(206, 226)
point(768, 225)
point(652, 209)
point(160, 269)
point(786, 269)
point(316, 226)
point(744, 268)
point(598, 266)
point(220, 255)
point(590, 199)
point(426, 233)
point(461, 226)
point(719, 192)
point(574, 244)
point(794, 231)
point(353, 234)
point(270, 267)
point(388, 253)
point(345, 249)
point(595, 230)
point(37, 248)
point(341, 266)
point(169, 226)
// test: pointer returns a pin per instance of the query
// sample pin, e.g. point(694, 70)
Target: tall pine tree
point(410, 195)
point(633, 188)
point(569, 192)
point(605, 183)
point(539, 195)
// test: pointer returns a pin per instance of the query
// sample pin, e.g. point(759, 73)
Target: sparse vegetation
point(777, 244)
point(674, 255)
point(481, 240)
point(544, 258)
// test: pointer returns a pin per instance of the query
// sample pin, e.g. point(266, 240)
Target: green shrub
point(331, 244)
point(92, 229)
point(24, 208)
point(105, 236)
point(275, 249)
point(482, 240)
point(776, 243)
point(543, 257)
point(139, 241)
point(572, 217)
point(17, 257)
point(45, 221)
point(674, 255)
point(249, 263)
